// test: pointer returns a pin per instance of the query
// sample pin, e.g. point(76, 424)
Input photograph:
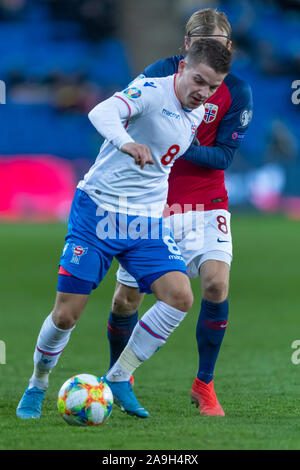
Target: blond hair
point(204, 22)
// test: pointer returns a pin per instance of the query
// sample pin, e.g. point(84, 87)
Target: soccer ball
point(85, 400)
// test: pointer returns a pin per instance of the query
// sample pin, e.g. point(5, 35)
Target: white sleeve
point(108, 118)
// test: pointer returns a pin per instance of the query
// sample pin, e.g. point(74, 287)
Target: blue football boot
point(30, 405)
point(125, 398)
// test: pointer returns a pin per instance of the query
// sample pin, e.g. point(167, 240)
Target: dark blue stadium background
point(59, 58)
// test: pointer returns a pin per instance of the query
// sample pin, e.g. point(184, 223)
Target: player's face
point(194, 85)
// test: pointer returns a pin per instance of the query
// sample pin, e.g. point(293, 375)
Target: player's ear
point(187, 43)
point(181, 66)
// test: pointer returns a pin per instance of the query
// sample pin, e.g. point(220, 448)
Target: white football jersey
point(149, 113)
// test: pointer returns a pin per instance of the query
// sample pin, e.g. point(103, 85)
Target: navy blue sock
point(210, 331)
point(119, 329)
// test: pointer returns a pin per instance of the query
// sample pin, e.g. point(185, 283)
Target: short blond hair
point(203, 23)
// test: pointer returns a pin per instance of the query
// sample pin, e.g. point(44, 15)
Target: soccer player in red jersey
point(197, 182)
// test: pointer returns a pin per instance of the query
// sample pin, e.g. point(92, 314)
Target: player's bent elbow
point(97, 114)
point(91, 115)
point(225, 158)
point(223, 166)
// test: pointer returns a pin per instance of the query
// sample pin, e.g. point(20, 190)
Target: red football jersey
point(193, 184)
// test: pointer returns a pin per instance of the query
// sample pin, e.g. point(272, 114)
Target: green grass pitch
point(255, 379)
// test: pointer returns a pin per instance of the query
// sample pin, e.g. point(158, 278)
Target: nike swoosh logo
point(222, 241)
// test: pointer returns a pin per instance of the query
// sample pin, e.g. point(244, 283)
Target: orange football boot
point(204, 395)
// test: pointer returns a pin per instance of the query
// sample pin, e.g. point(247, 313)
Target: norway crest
point(211, 111)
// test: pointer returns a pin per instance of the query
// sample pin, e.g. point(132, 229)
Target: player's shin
point(150, 333)
point(50, 344)
point(119, 330)
point(210, 331)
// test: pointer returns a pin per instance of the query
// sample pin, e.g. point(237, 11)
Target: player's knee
point(124, 306)
point(67, 310)
point(186, 301)
point(174, 289)
point(181, 299)
point(126, 301)
point(65, 318)
point(215, 289)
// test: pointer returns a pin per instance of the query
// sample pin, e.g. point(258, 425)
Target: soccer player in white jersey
point(198, 178)
point(117, 212)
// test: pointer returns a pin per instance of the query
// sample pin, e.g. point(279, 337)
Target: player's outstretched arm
point(140, 153)
point(218, 157)
point(231, 131)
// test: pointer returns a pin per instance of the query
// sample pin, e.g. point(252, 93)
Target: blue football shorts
point(143, 245)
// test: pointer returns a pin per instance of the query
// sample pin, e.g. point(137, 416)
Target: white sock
point(50, 344)
point(150, 333)
point(39, 378)
point(154, 328)
point(124, 367)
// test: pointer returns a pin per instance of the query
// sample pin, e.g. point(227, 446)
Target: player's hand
point(140, 153)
